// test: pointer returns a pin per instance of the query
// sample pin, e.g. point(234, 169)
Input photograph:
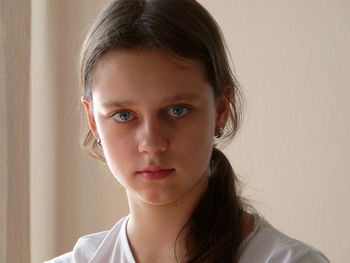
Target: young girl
point(159, 95)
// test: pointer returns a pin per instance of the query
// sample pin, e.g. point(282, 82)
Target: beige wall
point(70, 194)
point(292, 152)
point(293, 60)
point(14, 130)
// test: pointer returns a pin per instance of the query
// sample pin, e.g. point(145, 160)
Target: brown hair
point(183, 28)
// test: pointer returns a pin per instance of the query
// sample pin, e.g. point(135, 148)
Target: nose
point(152, 137)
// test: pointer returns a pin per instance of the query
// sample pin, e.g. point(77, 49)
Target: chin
point(159, 199)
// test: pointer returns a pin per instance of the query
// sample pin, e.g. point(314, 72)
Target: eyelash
point(184, 107)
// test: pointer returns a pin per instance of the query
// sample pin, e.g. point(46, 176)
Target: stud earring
point(218, 132)
point(99, 142)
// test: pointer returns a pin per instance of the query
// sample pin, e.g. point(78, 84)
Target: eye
point(178, 111)
point(123, 116)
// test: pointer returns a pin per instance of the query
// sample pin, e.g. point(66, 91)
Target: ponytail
point(214, 229)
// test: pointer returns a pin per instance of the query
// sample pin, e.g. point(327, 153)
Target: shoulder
point(268, 245)
point(86, 246)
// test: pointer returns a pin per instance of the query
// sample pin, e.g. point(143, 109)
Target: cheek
point(195, 149)
point(120, 153)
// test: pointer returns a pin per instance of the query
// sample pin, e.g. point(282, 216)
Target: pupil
point(177, 110)
point(124, 116)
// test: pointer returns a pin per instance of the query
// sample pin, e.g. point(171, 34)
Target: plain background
point(292, 59)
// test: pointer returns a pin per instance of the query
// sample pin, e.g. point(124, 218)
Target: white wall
point(292, 152)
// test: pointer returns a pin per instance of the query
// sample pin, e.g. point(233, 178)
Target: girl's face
point(156, 116)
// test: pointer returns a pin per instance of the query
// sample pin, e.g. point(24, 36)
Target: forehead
point(153, 72)
point(135, 61)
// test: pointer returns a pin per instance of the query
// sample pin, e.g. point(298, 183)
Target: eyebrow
point(171, 99)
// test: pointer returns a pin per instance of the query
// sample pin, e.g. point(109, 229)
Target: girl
point(159, 94)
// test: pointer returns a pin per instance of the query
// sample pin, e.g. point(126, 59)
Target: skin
point(144, 116)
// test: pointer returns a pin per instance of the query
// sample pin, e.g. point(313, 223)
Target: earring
point(99, 142)
point(218, 132)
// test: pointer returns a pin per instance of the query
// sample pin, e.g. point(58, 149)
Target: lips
point(155, 172)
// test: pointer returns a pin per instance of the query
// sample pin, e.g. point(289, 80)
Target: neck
point(152, 230)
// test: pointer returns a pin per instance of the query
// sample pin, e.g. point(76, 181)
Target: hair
point(185, 29)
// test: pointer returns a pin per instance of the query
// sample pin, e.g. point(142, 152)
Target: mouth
point(155, 173)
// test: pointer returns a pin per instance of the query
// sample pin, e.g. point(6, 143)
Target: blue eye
point(178, 111)
point(122, 116)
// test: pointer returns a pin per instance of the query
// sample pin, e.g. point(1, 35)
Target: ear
point(223, 109)
point(89, 113)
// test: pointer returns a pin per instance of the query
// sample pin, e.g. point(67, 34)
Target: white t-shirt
point(264, 244)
